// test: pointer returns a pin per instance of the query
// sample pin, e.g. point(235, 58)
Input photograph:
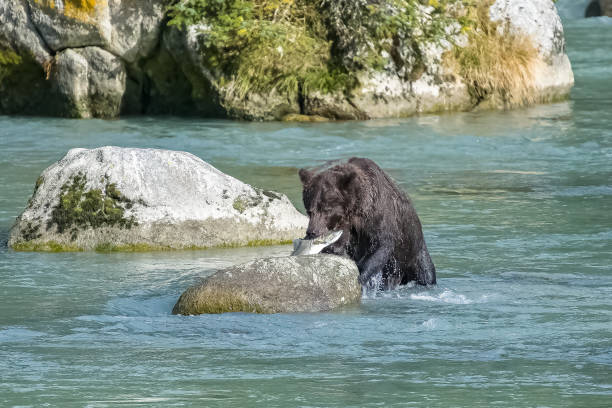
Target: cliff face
point(606, 7)
point(265, 59)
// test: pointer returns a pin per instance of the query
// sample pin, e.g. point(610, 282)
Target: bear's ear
point(305, 176)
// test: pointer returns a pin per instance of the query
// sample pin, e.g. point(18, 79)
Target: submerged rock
point(312, 283)
point(113, 198)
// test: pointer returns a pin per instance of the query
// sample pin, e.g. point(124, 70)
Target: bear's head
point(331, 198)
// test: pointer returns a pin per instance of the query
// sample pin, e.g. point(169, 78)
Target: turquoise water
point(516, 208)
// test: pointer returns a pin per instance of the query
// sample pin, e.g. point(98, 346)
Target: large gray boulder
point(389, 93)
point(311, 283)
point(17, 31)
point(113, 198)
point(128, 29)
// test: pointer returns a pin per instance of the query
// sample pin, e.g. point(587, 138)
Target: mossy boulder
point(125, 199)
point(129, 29)
point(311, 283)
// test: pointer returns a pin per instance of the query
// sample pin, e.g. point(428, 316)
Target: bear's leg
point(425, 269)
point(392, 275)
point(373, 263)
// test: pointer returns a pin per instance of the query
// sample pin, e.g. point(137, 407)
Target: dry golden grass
point(497, 65)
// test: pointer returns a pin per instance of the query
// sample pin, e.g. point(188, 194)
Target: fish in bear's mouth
point(315, 245)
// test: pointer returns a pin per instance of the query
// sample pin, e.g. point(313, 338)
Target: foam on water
point(447, 296)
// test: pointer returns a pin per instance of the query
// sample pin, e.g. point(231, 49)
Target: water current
point(517, 213)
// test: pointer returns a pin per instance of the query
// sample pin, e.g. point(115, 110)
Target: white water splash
point(430, 324)
point(448, 296)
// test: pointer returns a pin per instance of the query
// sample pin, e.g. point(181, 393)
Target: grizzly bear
point(381, 230)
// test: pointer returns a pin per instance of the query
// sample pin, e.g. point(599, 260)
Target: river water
point(516, 208)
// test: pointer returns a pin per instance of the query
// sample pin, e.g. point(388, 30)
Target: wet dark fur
point(382, 231)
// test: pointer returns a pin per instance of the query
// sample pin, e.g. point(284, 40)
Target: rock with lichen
point(311, 283)
point(113, 198)
point(128, 29)
point(268, 60)
point(539, 21)
point(76, 55)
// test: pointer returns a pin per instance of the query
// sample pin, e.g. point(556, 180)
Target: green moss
point(215, 300)
point(373, 35)
point(265, 45)
point(107, 247)
point(49, 246)
point(39, 182)
point(240, 205)
point(9, 62)
point(93, 208)
point(297, 47)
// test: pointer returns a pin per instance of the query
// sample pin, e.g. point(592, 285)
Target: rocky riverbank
point(269, 59)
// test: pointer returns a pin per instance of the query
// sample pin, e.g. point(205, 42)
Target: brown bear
point(381, 230)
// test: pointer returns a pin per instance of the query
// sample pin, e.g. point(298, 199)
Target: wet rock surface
point(311, 283)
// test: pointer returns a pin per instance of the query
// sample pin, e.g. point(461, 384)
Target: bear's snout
point(312, 235)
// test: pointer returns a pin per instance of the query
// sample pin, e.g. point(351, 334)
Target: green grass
point(298, 47)
point(49, 246)
point(495, 66)
point(107, 247)
point(303, 46)
point(9, 62)
point(262, 45)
